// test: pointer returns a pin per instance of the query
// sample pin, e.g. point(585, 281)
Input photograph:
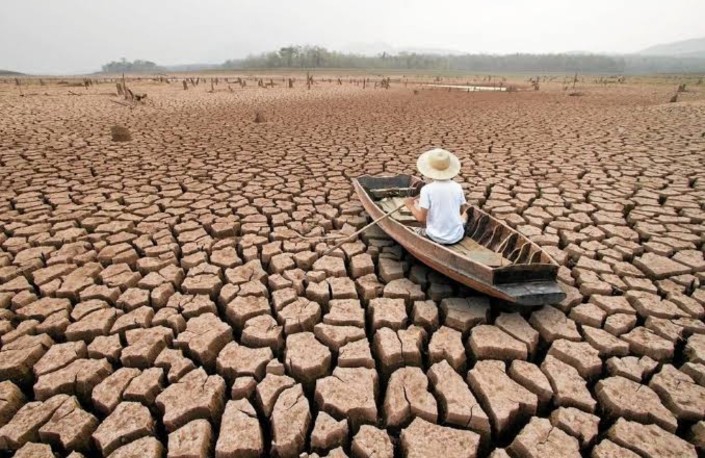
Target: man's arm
point(461, 200)
point(463, 213)
point(418, 213)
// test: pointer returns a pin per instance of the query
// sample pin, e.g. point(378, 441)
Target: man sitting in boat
point(441, 203)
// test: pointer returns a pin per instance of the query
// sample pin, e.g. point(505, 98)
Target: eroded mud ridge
point(155, 297)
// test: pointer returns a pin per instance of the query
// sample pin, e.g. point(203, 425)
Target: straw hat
point(438, 164)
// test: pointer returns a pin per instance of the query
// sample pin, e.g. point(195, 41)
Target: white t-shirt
point(443, 200)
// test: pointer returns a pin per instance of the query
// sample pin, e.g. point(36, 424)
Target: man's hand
point(411, 203)
point(418, 213)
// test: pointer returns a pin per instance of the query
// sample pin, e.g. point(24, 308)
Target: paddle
point(363, 229)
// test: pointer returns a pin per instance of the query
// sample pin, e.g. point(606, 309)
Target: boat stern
point(532, 294)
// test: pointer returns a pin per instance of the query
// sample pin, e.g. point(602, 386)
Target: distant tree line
point(319, 57)
point(635, 63)
point(136, 66)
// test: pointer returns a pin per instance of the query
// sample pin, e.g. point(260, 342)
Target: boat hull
point(461, 269)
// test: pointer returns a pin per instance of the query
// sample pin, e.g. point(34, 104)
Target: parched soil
point(157, 297)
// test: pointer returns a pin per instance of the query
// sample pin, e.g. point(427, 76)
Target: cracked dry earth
point(155, 299)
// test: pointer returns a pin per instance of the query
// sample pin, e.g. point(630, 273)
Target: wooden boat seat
point(404, 216)
point(382, 193)
point(473, 250)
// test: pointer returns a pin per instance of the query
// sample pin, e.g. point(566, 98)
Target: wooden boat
point(493, 258)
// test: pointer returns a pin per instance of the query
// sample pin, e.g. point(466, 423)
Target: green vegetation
point(319, 57)
point(136, 66)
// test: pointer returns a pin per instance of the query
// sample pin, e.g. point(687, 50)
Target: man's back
point(443, 200)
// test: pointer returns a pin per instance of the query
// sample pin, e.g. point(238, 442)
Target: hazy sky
point(72, 36)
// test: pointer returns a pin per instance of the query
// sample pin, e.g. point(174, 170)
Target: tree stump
point(120, 134)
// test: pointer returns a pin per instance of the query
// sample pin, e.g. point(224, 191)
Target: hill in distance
point(686, 48)
point(10, 73)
